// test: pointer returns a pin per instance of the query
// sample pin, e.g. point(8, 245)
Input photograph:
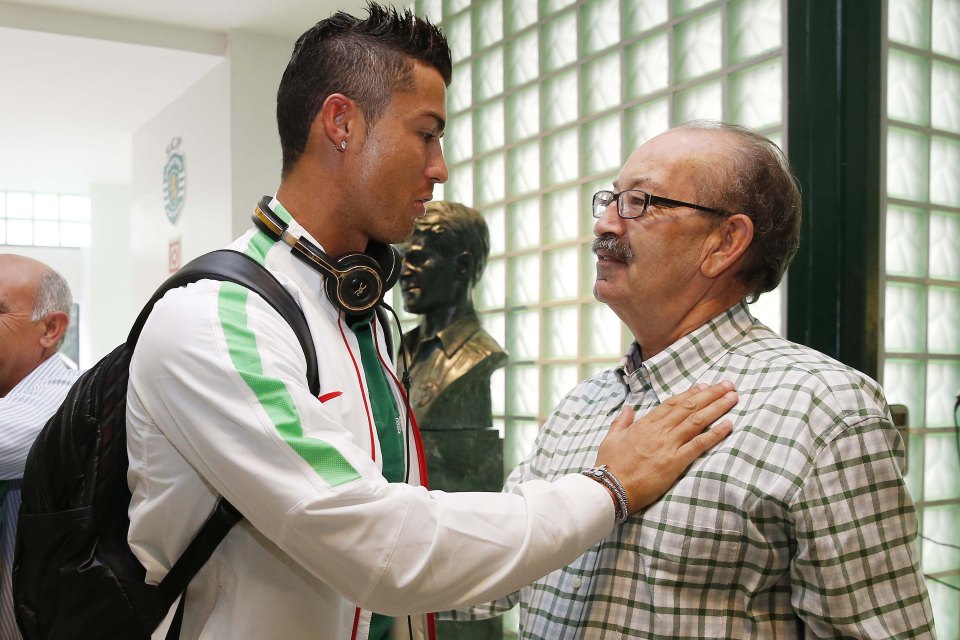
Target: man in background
point(35, 306)
point(799, 525)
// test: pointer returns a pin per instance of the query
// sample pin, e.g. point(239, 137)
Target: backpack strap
point(233, 266)
point(229, 266)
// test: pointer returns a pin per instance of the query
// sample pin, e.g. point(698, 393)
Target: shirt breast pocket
point(681, 557)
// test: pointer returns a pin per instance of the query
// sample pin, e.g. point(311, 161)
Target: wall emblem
point(174, 181)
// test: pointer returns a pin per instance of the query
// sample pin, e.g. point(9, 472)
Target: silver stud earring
point(343, 145)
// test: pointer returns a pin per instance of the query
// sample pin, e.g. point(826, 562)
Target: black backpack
point(74, 575)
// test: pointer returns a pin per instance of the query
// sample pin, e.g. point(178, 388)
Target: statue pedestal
point(465, 460)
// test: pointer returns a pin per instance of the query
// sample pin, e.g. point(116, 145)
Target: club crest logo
point(174, 181)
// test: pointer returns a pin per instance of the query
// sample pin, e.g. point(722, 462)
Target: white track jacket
point(218, 404)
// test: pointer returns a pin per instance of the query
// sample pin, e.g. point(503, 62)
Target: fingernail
point(730, 395)
point(726, 384)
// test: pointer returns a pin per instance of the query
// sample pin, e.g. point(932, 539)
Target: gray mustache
point(612, 244)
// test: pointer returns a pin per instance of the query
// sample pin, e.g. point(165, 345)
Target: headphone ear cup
point(361, 286)
point(389, 260)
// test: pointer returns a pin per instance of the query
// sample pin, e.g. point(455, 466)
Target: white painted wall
point(111, 310)
point(200, 117)
point(256, 64)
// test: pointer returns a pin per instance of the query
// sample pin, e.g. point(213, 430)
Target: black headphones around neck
point(355, 282)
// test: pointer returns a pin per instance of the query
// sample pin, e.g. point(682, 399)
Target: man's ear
point(464, 262)
point(730, 241)
point(54, 326)
point(337, 120)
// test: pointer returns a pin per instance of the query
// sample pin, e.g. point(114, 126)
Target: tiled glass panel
point(561, 156)
point(908, 22)
point(524, 280)
point(524, 169)
point(945, 245)
point(905, 318)
point(520, 14)
point(598, 25)
point(941, 524)
point(906, 251)
point(561, 275)
point(524, 384)
point(491, 292)
point(488, 23)
point(523, 113)
point(518, 441)
point(558, 380)
point(756, 96)
point(562, 211)
point(46, 206)
point(945, 96)
point(496, 225)
point(908, 87)
point(523, 335)
point(550, 6)
point(19, 231)
point(458, 141)
point(46, 233)
point(524, 224)
point(943, 381)
point(523, 58)
point(488, 75)
point(560, 99)
point(904, 382)
point(19, 205)
point(602, 145)
point(906, 164)
point(498, 380)
point(601, 331)
point(769, 309)
point(460, 92)
point(641, 17)
point(457, 29)
point(432, 9)
point(945, 38)
point(945, 171)
point(455, 6)
point(943, 320)
point(685, 6)
point(705, 101)
point(561, 332)
point(941, 468)
point(601, 84)
point(697, 46)
point(490, 179)
point(755, 27)
point(648, 65)
point(646, 121)
point(558, 42)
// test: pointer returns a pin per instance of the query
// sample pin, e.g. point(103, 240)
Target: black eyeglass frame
point(648, 199)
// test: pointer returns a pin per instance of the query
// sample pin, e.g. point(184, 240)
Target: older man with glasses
point(799, 524)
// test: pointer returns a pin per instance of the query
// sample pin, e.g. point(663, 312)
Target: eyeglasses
point(633, 203)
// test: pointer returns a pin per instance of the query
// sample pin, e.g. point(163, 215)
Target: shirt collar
point(679, 366)
point(451, 337)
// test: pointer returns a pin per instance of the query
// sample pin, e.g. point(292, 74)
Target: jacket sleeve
point(223, 378)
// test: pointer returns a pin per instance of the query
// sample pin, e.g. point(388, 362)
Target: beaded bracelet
point(604, 476)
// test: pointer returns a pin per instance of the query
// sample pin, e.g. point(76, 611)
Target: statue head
point(444, 258)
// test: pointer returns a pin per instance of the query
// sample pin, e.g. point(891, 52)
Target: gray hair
point(755, 179)
point(53, 294)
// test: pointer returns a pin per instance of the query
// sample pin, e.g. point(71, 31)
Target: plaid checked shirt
point(798, 525)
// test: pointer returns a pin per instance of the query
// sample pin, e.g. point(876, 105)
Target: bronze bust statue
point(451, 356)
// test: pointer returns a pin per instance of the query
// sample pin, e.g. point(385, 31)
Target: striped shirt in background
point(797, 525)
point(23, 412)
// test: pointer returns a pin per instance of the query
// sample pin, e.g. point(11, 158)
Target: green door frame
point(834, 94)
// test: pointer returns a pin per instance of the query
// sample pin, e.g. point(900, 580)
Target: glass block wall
point(548, 99)
point(44, 219)
point(921, 345)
